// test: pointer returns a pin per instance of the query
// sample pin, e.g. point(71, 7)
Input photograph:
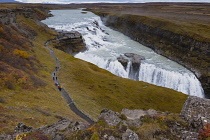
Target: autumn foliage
point(20, 53)
point(204, 134)
point(18, 63)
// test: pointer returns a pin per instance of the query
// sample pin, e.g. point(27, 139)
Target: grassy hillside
point(27, 92)
point(93, 89)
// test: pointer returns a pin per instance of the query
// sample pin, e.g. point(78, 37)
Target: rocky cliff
point(196, 111)
point(135, 61)
point(190, 51)
point(70, 42)
point(8, 16)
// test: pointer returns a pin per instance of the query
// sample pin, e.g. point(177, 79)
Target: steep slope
point(26, 87)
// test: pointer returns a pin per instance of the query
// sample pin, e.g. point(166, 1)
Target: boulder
point(134, 116)
point(138, 113)
point(186, 135)
point(22, 128)
point(110, 117)
point(135, 57)
point(135, 60)
point(69, 35)
point(196, 111)
point(111, 138)
point(124, 61)
point(134, 123)
point(130, 135)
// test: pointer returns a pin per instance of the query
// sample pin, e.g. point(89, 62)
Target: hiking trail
point(63, 92)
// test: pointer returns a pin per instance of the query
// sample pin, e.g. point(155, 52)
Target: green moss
point(95, 137)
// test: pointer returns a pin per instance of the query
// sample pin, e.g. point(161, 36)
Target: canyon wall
point(193, 53)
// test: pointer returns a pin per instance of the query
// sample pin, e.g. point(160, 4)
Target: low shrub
point(37, 81)
point(2, 100)
point(36, 135)
point(204, 134)
point(10, 85)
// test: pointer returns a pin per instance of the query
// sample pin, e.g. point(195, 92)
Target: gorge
point(32, 107)
point(105, 45)
point(176, 31)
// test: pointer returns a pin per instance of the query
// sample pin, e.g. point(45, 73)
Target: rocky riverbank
point(174, 39)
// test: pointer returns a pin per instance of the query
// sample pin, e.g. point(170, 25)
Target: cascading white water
point(105, 45)
point(184, 82)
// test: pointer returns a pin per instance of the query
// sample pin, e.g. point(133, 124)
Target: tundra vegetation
point(27, 90)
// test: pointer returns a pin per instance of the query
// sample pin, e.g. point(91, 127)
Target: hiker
point(56, 78)
point(59, 87)
point(57, 68)
point(54, 74)
point(53, 78)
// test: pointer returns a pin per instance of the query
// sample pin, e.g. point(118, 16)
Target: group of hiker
point(55, 79)
point(56, 68)
point(59, 86)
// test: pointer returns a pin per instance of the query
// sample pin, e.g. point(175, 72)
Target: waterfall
point(104, 45)
point(111, 65)
point(183, 82)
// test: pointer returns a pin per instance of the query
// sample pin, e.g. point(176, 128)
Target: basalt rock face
point(196, 111)
point(8, 16)
point(135, 60)
point(191, 53)
point(70, 42)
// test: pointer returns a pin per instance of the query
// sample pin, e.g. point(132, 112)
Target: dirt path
point(63, 92)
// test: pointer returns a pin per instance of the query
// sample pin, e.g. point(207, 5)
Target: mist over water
point(104, 45)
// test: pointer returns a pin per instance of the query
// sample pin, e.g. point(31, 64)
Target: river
point(104, 45)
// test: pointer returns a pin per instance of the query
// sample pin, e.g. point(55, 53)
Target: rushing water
point(105, 45)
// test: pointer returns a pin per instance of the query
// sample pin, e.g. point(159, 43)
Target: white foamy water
point(105, 45)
